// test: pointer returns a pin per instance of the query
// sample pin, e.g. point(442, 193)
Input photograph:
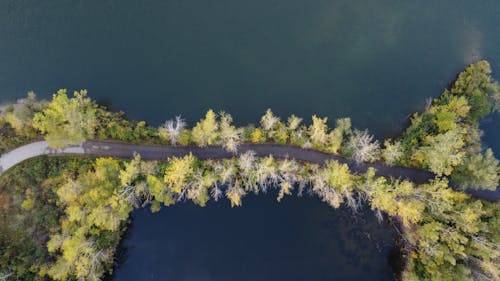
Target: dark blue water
point(375, 61)
point(299, 239)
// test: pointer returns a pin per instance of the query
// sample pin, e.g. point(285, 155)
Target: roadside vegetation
point(63, 217)
point(445, 138)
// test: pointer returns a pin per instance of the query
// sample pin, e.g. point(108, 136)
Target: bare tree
point(230, 135)
point(174, 128)
point(363, 147)
point(267, 173)
point(268, 121)
point(197, 187)
point(246, 162)
point(323, 190)
point(216, 192)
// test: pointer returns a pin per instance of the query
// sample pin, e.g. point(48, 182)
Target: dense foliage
point(63, 218)
point(445, 138)
point(29, 213)
point(446, 230)
point(16, 122)
point(67, 121)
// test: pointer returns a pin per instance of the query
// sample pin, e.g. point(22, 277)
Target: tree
point(258, 136)
point(289, 173)
point(480, 171)
point(266, 172)
point(269, 121)
point(205, 131)
point(441, 153)
point(339, 176)
point(336, 136)
point(67, 121)
point(477, 85)
point(293, 122)
point(457, 104)
point(396, 198)
point(362, 147)
point(179, 173)
point(20, 115)
point(94, 211)
point(201, 182)
point(280, 134)
point(229, 134)
point(132, 171)
point(392, 152)
point(332, 183)
point(159, 191)
point(234, 194)
point(318, 131)
point(445, 120)
point(172, 129)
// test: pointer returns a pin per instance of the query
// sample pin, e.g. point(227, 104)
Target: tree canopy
point(66, 120)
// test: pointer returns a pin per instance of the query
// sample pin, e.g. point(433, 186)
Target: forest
point(63, 217)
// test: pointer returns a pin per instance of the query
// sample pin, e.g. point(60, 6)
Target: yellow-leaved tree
point(67, 121)
point(205, 131)
point(179, 173)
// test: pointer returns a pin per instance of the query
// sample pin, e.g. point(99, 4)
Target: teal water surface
point(374, 61)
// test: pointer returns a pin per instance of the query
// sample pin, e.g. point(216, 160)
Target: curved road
point(157, 152)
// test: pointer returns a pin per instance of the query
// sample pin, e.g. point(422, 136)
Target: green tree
point(95, 210)
point(132, 171)
point(67, 121)
point(480, 171)
point(396, 198)
point(336, 136)
point(159, 191)
point(392, 152)
point(477, 85)
point(441, 153)
point(446, 120)
point(205, 131)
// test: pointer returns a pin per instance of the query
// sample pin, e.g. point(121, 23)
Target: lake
point(374, 61)
point(298, 239)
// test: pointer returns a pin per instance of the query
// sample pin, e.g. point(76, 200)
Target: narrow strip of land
point(162, 152)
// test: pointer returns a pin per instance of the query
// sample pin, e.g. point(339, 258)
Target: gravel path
point(18, 155)
point(156, 152)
